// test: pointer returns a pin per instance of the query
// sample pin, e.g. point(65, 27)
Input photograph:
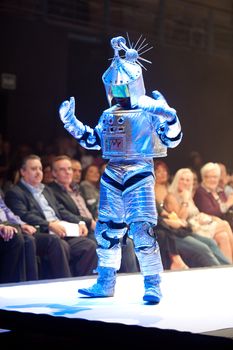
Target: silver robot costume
point(134, 130)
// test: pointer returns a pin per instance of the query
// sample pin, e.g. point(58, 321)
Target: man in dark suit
point(36, 245)
point(36, 204)
point(68, 193)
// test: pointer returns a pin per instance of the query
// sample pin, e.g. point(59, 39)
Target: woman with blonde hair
point(180, 201)
point(179, 246)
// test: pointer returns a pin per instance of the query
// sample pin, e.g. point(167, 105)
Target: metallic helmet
point(124, 76)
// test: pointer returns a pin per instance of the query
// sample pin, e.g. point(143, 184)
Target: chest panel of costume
point(129, 134)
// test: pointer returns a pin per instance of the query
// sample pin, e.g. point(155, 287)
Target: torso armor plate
point(129, 134)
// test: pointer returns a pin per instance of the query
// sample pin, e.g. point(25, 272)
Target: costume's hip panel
point(129, 201)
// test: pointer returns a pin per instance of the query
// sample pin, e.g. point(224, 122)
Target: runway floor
point(199, 301)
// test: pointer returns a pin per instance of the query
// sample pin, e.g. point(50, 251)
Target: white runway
point(195, 300)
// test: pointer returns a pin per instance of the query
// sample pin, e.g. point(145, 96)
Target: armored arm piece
point(165, 119)
point(86, 136)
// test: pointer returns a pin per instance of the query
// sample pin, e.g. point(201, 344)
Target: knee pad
point(143, 234)
point(108, 234)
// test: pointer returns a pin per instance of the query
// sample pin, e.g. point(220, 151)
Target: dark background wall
point(52, 62)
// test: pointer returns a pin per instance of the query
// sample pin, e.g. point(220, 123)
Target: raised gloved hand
point(157, 106)
point(71, 123)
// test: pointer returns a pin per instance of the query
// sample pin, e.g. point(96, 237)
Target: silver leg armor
point(146, 248)
point(109, 248)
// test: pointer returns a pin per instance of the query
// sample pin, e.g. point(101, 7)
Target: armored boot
point(105, 285)
point(152, 289)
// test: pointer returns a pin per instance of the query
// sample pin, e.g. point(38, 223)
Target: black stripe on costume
point(112, 182)
point(174, 138)
point(133, 180)
point(114, 225)
point(112, 241)
point(167, 140)
point(173, 121)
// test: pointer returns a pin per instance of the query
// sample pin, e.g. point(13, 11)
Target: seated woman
point(180, 201)
point(210, 196)
point(170, 255)
point(180, 249)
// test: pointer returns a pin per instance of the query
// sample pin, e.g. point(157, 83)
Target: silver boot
point(152, 289)
point(105, 285)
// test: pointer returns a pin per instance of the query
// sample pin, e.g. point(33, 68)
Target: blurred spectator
point(178, 245)
point(48, 248)
point(47, 174)
point(77, 171)
point(210, 197)
point(162, 176)
point(89, 187)
point(205, 228)
point(170, 255)
point(67, 192)
point(212, 200)
point(46, 162)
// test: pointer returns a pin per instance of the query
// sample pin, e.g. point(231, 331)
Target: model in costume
point(134, 130)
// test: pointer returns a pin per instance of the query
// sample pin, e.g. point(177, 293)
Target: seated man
point(67, 193)
point(47, 247)
point(36, 204)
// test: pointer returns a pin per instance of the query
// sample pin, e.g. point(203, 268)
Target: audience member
point(180, 200)
point(162, 175)
point(46, 162)
point(36, 204)
point(47, 174)
point(211, 199)
point(89, 187)
point(193, 251)
point(77, 171)
point(46, 247)
point(67, 192)
point(167, 241)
